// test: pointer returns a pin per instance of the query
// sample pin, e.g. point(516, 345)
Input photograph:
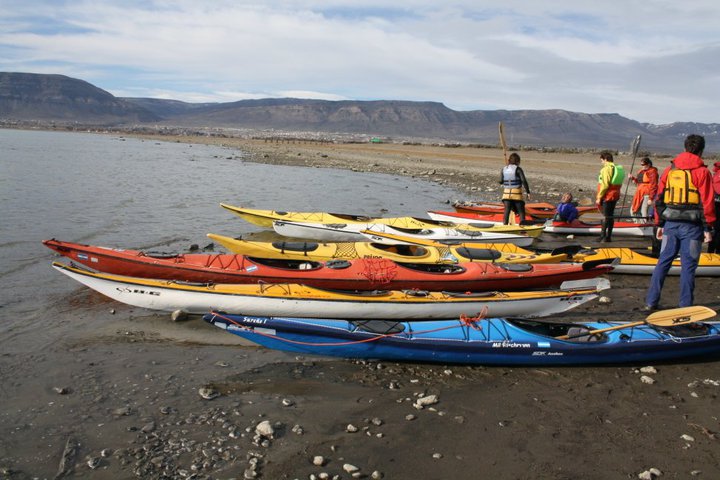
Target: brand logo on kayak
point(137, 290)
point(507, 344)
point(256, 320)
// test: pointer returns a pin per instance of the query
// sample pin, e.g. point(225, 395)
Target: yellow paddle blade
point(678, 316)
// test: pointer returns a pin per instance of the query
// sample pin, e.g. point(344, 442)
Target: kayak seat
point(286, 264)
point(433, 267)
point(470, 233)
point(296, 246)
point(405, 250)
point(581, 334)
point(337, 264)
point(516, 267)
point(152, 254)
point(482, 225)
point(479, 253)
point(378, 326)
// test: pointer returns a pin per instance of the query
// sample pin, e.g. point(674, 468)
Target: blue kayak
point(488, 341)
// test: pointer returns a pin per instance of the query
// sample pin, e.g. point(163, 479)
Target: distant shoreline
point(472, 170)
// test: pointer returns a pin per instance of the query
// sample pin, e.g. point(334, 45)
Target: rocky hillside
point(60, 99)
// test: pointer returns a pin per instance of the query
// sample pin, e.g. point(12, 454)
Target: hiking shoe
point(649, 308)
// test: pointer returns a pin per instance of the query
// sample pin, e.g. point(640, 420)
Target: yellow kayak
point(265, 219)
point(500, 252)
point(639, 262)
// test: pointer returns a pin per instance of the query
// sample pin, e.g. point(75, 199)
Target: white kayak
point(300, 300)
point(331, 232)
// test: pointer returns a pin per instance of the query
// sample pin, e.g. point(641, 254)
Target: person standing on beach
point(685, 213)
point(608, 193)
point(714, 246)
point(513, 181)
point(647, 183)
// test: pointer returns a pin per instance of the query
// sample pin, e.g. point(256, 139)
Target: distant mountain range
point(64, 101)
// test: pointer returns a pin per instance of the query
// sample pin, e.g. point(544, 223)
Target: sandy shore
point(122, 401)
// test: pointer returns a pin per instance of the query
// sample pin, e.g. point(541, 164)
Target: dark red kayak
point(536, 210)
point(356, 274)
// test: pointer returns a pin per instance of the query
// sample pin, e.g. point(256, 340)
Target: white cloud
point(650, 61)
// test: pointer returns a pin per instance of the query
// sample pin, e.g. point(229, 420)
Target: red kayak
point(537, 210)
point(356, 274)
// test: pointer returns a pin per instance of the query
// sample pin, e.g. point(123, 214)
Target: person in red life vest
point(647, 183)
point(714, 246)
point(685, 213)
point(513, 181)
point(608, 193)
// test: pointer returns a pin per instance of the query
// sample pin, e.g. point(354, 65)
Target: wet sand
point(121, 400)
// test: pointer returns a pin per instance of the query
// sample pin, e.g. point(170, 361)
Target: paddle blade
point(679, 316)
point(635, 146)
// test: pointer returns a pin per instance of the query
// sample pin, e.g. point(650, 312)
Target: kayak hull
point(354, 274)
point(353, 233)
point(627, 229)
point(396, 248)
point(303, 301)
point(489, 341)
point(537, 210)
point(354, 223)
point(633, 262)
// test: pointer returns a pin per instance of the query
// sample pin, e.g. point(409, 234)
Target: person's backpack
point(680, 189)
point(681, 199)
point(618, 175)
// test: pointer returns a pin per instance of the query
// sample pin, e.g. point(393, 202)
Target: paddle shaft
point(635, 148)
point(501, 132)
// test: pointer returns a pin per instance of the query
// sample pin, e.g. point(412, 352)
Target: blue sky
point(651, 61)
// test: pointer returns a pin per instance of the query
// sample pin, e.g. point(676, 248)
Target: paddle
point(663, 318)
point(501, 131)
point(634, 146)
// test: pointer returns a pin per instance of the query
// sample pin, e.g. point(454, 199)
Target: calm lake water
point(130, 193)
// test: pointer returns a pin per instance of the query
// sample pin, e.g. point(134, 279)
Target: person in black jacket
point(513, 181)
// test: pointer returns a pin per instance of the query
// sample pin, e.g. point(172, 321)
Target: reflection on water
point(118, 192)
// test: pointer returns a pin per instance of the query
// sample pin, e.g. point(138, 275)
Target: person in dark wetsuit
point(513, 181)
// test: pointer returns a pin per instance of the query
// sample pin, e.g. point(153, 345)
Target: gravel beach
point(141, 396)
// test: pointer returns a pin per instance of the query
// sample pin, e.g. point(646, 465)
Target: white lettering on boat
point(257, 320)
point(508, 344)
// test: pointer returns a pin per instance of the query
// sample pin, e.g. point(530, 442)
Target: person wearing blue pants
point(685, 239)
point(685, 214)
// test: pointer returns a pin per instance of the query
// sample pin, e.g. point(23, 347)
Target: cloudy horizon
point(652, 61)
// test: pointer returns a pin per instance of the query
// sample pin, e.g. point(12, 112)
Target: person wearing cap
point(714, 246)
point(685, 214)
point(647, 183)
